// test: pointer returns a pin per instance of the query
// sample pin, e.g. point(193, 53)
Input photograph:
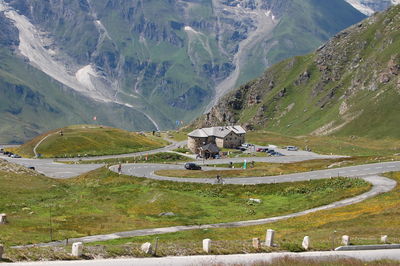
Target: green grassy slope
point(89, 140)
point(348, 87)
point(104, 202)
point(364, 222)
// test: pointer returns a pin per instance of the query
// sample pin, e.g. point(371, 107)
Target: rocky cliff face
point(349, 86)
point(167, 60)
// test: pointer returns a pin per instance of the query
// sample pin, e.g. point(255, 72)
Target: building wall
point(232, 140)
point(194, 144)
point(219, 142)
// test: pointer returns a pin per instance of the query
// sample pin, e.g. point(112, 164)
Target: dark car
point(192, 166)
point(32, 168)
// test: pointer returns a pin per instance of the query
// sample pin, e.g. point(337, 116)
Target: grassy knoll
point(176, 135)
point(104, 202)
point(90, 140)
point(161, 157)
point(365, 222)
point(329, 144)
point(269, 169)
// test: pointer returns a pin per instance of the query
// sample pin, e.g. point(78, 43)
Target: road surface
point(245, 259)
point(147, 170)
point(52, 169)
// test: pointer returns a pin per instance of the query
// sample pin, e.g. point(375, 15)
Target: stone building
point(223, 137)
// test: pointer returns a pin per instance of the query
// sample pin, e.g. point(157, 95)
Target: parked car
point(192, 166)
point(15, 156)
point(278, 154)
point(262, 149)
point(292, 148)
point(32, 168)
point(270, 151)
point(247, 145)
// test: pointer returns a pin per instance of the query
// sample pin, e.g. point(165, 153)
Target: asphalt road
point(147, 170)
point(60, 170)
point(245, 259)
point(52, 169)
point(369, 172)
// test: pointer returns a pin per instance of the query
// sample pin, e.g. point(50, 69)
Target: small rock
point(255, 200)
point(306, 243)
point(269, 238)
point(3, 218)
point(167, 214)
point(384, 78)
point(345, 240)
point(256, 243)
point(146, 248)
point(207, 245)
point(77, 249)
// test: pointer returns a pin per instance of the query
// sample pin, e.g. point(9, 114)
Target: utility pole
point(51, 226)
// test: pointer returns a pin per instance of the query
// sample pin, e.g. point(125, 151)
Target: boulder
point(3, 218)
point(167, 214)
point(306, 243)
point(207, 245)
point(269, 238)
point(345, 240)
point(77, 249)
point(146, 248)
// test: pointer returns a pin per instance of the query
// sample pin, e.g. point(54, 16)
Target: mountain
point(368, 7)
point(145, 64)
point(348, 86)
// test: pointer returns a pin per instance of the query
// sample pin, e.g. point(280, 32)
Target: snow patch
point(85, 75)
point(361, 7)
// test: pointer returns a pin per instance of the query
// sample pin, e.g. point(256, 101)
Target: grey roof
point(211, 148)
point(219, 132)
point(198, 133)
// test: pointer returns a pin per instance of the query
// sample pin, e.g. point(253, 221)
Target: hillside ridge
point(348, 86)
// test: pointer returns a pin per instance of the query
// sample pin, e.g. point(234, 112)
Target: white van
point(292, 148)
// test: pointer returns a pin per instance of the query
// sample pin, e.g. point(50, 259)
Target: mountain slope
point(31, 102)
point(349, 86)
point(164, 60)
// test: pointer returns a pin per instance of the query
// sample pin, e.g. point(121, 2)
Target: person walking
point(119, 169)
point(218, 179)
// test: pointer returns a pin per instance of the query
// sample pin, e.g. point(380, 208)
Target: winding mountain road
point(368, 172)
point(147, 170)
